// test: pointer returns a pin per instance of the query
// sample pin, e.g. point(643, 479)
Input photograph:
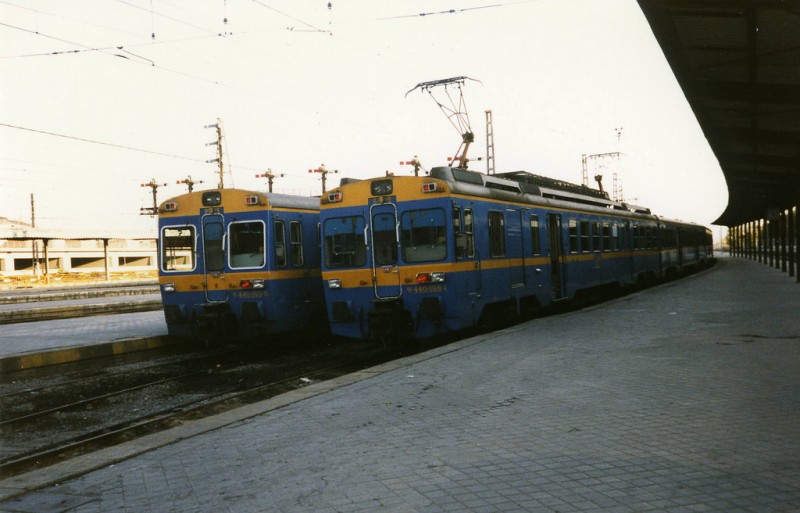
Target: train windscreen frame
point(343, 242)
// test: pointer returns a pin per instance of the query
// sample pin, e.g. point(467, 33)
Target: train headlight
point(251, 284)
point(168, 287)
point(257, 284)
point(430, 277)
point(334, 283)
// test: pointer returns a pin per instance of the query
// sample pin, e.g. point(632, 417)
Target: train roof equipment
point(456, 113)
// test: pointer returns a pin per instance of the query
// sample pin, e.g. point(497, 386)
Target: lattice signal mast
point(456, 112)
point(489, 143)
point(218, 143)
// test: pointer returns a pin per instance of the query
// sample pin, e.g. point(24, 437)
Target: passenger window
point(573, 236)
point(595, 236)
point(607, 237)
point(280, 244)
point(423, 235)
point(296, 242)
point(497, 236)
point(246, 244)
point(585, 236)
point(177, 248)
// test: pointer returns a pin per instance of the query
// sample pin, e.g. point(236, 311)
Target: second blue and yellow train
point(414, 257)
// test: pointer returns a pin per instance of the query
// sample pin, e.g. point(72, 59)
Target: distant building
point(28, 252)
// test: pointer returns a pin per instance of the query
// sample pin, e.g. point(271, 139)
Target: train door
point(383, 235)
point(556, 243)
point(215, 282)
point(516, 257)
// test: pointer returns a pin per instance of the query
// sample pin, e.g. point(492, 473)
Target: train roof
point(273, 199)
point(292, 201)
point(526, 187)
point(522, 182)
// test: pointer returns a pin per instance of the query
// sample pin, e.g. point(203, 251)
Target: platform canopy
point(738, 63)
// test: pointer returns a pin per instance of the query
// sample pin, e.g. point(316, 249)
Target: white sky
point(297, 84)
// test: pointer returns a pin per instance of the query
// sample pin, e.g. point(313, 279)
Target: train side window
point(607, 237)
point(497, 236)
point(468, 230)
point(537, 245)
point(246, 244)
point(615, 237)
point(296, 242)
point(423, 235)
point(595, 235)
point(585, 236)
point(343, 242)
point(177, 248)
point(635, 236)
point(573, 236)
point(280, 244)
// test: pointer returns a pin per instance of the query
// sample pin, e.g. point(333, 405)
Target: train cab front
point(379, 239)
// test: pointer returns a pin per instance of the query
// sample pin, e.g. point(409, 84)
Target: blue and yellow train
point(239, 263)
point(419, 256)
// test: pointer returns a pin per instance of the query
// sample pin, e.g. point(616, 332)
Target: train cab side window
point(536, 243)
point(607, 237)
point(573, 236)
point(458, 233)
point(246, 244)
point(468, 231)
point(596, 236)
point(280, 244)
point(177, 248)
point(497, 235)
point(296, 242)
point(343, 242)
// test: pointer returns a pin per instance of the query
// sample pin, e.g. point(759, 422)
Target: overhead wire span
point(103, 143)
point(291, 29)
point(454, 11)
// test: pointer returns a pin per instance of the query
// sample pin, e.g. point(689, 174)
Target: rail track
point(66, 416)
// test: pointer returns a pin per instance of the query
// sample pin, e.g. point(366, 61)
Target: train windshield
point(246, 244)
point(177, 246)
point(423, 234)
point(344, 244)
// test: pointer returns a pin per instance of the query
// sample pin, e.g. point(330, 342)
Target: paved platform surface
point(679, 398)
point(34, 344)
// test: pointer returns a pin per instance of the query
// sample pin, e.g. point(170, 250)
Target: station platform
point(26, 345)
point(680, 398)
